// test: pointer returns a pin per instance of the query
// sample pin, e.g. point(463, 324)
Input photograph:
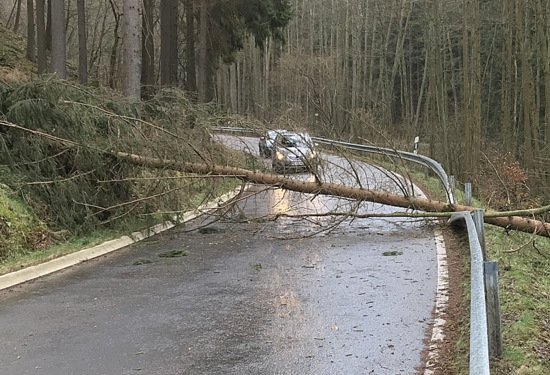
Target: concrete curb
point(30, 273)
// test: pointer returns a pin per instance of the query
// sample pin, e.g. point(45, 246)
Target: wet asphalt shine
point(236, 294)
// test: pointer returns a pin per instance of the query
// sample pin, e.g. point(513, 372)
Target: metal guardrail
point(479, 342)
point(409, 156)
point(231, 129)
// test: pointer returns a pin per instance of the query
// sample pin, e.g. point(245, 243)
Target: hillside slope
point(14, 65)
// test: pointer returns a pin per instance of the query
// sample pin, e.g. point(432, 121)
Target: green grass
point(524, 281)
point(20, 231)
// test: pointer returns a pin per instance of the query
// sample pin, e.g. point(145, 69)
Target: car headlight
point(279, 155)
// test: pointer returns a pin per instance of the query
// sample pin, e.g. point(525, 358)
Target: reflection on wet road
point(253, 296)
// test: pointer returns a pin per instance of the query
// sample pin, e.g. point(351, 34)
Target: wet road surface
point(248, 296)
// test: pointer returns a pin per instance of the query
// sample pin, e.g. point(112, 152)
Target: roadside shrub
point(502, 183)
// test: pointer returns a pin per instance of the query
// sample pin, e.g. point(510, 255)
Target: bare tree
point(132, 48)
point(203, 62)
point(31, 32)
point(190, 68)
point(169, 42)
point(113, 58)
point(59, 56)
point(148, 50)
point(17, 15)
point(82, 43)
point(41, 37)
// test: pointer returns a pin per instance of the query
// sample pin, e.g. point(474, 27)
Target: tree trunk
point(41, 37)
point(82, 43)
point(59, 59)
point(49, 25)
point(190, 69)
point(17, 16)
point(505, 221)
point(148, 50)
point(168, 42)
point(131, 49)
point(204, 70)
point(31, 32)
point(472, 87)
point(114, 48)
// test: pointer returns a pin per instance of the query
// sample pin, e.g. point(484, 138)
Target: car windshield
point(292, 140)
point(271, 134)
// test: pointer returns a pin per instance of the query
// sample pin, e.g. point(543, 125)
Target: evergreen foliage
point(74, 182)
point(231, 21)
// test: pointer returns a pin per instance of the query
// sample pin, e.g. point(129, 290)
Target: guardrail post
point(492, 300)
point(468, 193)
point(480, 229)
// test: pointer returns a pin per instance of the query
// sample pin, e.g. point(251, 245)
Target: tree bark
point(508, 222)
point(190, 69)
point(114, 49)
point(17, 16)
point(472, 86)
point(204, 68)
point(41, 37)
point(82, 43)
point(148, 50)
point(59, 59)
point(168, 42)
point(31, 32)
point(49, 25)
point(132, 49)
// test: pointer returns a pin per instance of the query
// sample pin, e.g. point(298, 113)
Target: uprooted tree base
point(509, 220)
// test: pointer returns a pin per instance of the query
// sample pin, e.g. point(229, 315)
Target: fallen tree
point(515, 220)
point(509, 220)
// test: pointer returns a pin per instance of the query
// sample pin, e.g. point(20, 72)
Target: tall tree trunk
point(59, 59)
point(472, 87)
point(82, 43)
point(131, 51)
point(49, 25)
point(17, 16)
point(31, 32)
point(168, 42)
point(530, 110)
point(114, 48)
point(203, 52)
point(190, 69)
point(148, 50)
point(543, 31)
point(41, 37)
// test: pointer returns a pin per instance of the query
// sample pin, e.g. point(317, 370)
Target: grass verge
point(524, 282)
point(22, 255)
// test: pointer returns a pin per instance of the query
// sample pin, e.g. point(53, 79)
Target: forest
point(471, 78)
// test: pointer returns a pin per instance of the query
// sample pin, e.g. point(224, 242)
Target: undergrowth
point(524, 280)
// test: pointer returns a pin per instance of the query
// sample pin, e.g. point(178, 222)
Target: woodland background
point(470, 77)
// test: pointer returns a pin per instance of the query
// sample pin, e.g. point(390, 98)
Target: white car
point(293, 151)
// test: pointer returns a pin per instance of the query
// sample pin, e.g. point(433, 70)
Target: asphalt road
point(249, 296)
